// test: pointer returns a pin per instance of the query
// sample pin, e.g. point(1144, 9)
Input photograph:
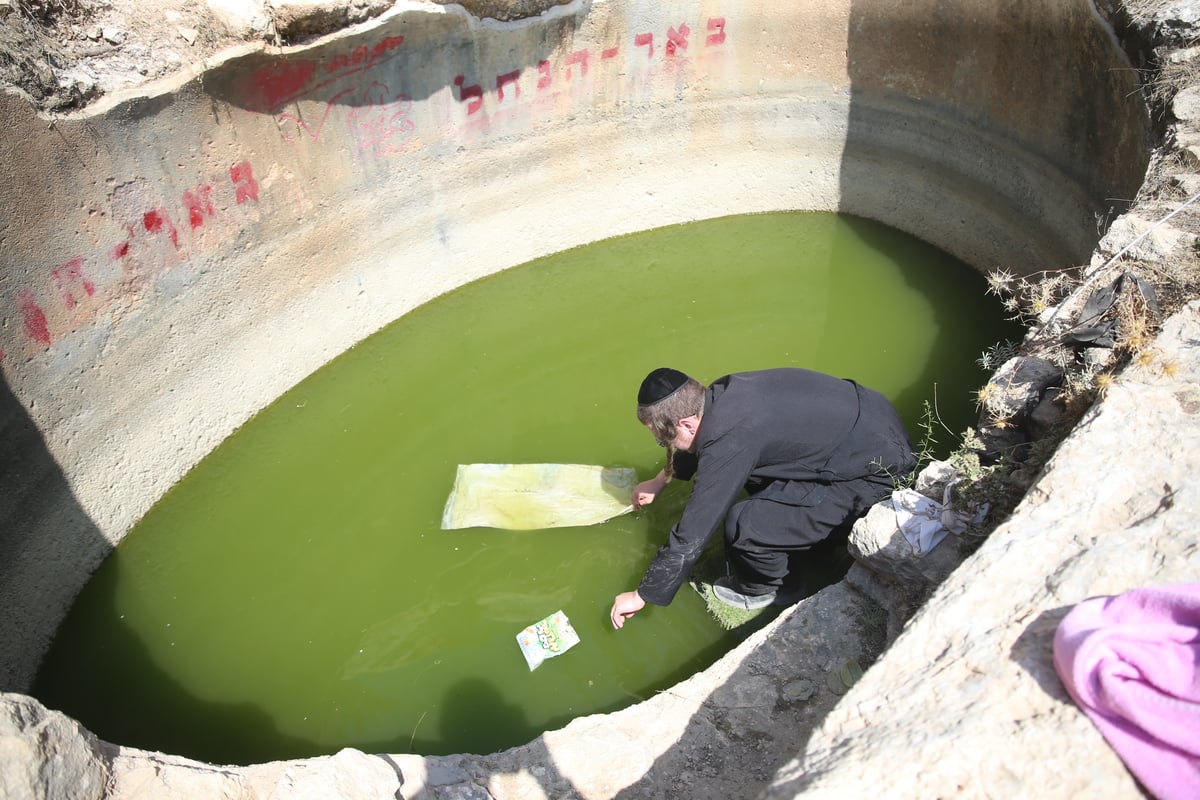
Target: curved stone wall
point(179, 257)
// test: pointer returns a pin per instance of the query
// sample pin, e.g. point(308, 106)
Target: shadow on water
point(48, 544)
point(949, 374)
point(95, 693)
point(472, 713)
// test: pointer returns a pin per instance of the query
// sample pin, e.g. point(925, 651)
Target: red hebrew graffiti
point(508, 79)
point(715, 24)
point(120, 250)
point(199, 205)
point(471, 95)
point(159, 220)
point(381, 125)
point(242, 174)
point(343, 63)
point(579, 57)
point(36, 326)
point(379, 122)
point(70, 275)
point(677, 39)
point(645, 40)
point(273, 87)
point(313, 131)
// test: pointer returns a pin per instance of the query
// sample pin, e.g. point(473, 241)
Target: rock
point(1188, 183)
point(169, 58)
point(1159, 243)
point(505, 10)
point(1050, 414)
point(245, 19)
point(1016, 388)
point(1186, 105)
point(799, 690)
point(934, 478)
point(972, 676)
point(888, 571)
point(877, 542)
point(113, 35)
point(45, 754)
point(301, 19)
point(1177, 22)
point(348, 773)
point(79, 83)
point(1006, 401)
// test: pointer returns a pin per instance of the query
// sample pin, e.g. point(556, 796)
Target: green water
point(295, 595)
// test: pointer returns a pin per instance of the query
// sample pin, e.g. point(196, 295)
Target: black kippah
point(660, 384)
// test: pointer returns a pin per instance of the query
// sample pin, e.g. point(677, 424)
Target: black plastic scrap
point(1089, 330)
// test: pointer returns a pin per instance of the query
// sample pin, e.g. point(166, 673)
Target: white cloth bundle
point(925, 522)
point(522, 497)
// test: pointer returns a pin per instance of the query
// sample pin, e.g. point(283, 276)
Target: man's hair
point(662, 416)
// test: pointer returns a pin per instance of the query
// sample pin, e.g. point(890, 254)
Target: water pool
point(294, 594)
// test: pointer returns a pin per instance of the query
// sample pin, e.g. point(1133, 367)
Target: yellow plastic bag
point(522, 497)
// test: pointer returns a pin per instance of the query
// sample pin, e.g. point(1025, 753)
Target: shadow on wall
point(1000, 135)
point(385, 70)
point(48, 544)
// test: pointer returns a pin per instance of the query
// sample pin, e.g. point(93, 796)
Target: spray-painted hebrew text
point(74, 281)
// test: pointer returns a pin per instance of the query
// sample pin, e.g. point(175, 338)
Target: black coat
point(777, 433)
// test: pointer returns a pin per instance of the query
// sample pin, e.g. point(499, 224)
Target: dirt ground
point(66, 53)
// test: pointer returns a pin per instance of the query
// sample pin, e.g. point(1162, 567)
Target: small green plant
point(995, 356)
point(926, 445)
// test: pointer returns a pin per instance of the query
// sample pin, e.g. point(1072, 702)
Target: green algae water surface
point(294, 594)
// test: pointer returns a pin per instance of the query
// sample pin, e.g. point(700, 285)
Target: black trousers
point(763, 531)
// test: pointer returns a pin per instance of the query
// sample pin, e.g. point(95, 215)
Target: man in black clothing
point(813, 452)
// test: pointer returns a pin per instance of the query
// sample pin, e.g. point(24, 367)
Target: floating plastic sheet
point(550, 637)
point(523, 497)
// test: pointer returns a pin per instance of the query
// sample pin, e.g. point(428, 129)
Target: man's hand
point(647, 492)
point(624, 606)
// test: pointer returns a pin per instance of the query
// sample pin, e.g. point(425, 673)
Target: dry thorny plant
point(1001, 481)
point(49, 11)
point(1038, 299)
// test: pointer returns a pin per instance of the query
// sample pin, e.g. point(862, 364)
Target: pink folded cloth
point(1132, 663)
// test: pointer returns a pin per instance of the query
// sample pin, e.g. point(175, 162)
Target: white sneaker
point(732, 597)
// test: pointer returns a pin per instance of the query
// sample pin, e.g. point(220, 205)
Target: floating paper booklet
point(523, 497)
point(551, 637)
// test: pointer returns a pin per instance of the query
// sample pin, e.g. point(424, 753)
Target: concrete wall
point(175, 259)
